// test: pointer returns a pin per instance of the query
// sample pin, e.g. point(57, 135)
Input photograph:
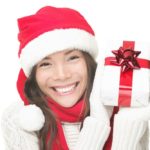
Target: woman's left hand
point(135, 113)
point(97, 109)
point(130, 129)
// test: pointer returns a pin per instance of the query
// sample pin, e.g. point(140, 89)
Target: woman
point(57, 54)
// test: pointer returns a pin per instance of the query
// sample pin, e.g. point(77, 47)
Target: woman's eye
point(44, 64)
point(73, 57)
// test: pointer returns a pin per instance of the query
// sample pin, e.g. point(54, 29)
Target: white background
point(117, 19)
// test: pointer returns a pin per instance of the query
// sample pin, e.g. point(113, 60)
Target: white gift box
point(130, 88)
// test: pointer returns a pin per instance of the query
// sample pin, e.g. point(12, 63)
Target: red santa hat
point(48, 31)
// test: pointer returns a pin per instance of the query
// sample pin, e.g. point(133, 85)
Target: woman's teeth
point(67, 89)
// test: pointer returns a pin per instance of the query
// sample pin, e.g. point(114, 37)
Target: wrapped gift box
point(125, 79)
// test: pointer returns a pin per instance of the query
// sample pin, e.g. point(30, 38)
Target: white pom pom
point(31, 118)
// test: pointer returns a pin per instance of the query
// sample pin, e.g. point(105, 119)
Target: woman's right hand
point(31, 118)
point(18, 124)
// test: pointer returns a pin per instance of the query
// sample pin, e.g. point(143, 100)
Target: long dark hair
point(36, 96)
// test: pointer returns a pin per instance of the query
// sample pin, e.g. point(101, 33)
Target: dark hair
point(36, 96)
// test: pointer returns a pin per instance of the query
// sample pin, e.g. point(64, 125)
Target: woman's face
point(62, 76)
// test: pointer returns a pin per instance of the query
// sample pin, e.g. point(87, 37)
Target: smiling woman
point(59, 83)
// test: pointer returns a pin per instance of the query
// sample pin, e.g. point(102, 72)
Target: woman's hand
point(97, 109)
point(131, 128)
point(18, 124)
point(135, 113)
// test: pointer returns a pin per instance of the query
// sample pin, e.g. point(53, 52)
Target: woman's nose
point(61, 72)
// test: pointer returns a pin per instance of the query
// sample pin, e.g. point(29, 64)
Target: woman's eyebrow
point(68, 52)
point(46, 58)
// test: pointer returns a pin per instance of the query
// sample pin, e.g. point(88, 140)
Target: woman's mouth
point(65, 90)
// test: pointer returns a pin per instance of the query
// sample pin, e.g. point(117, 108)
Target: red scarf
point(63, 114)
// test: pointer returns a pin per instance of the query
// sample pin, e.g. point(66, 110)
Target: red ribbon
point(125, 88)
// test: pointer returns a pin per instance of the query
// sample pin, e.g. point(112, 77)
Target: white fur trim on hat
point(54, 41)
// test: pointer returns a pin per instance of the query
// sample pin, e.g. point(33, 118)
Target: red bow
point(126, 58)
